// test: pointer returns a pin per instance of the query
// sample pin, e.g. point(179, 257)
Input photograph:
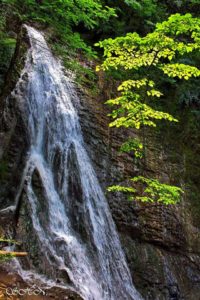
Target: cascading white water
point(75, 226)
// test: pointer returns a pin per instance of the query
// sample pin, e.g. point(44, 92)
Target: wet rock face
point(76, 198)
point(13, 140)
point(161, 243)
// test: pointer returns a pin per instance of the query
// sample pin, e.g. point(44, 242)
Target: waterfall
point(73, 222)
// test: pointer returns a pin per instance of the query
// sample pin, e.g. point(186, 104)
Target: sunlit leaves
point(119, 188)
point(180, 71)
point(179, 24)
point(166, 42)
point(154, 93)
point(134, 145)
point(133, 113)
point(151, 190)
point(129, 84)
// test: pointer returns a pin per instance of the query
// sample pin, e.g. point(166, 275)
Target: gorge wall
point(160, 242)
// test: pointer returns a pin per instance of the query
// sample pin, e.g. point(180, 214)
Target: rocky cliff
point(160, 242)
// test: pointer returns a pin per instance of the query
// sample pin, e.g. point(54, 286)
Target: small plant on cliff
point(7, 255)
point(150, 190)
point(158, 54)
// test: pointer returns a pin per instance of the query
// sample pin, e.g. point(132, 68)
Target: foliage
point(133, 52)
point(62, 16)
point(6, 257)
point(188, 94)
point(161, 51)
point(134, 145)
point(132, 112)
point(7, 46)
point(119, 188)
point(153, 50)
point(134, 15)
point(67, 12)
point(151, 190)
point(159, 192)
point(144, 7)
point(2, 24)
point(85, 76)
point(8, 241)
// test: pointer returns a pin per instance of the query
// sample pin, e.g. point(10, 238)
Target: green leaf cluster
point(151, 190)
point(5, 257)
point(132, 112)
point(7, 47)
point(119, 188)
point(154, 191)
point(134, 145)
point(177, 36)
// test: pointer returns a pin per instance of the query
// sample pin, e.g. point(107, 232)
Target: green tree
point(62, 15)
point(158, 54)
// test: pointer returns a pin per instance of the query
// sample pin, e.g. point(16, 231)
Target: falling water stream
point(74, 226)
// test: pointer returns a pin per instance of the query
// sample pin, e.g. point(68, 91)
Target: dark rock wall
point(162, 244)
point(13, 141)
